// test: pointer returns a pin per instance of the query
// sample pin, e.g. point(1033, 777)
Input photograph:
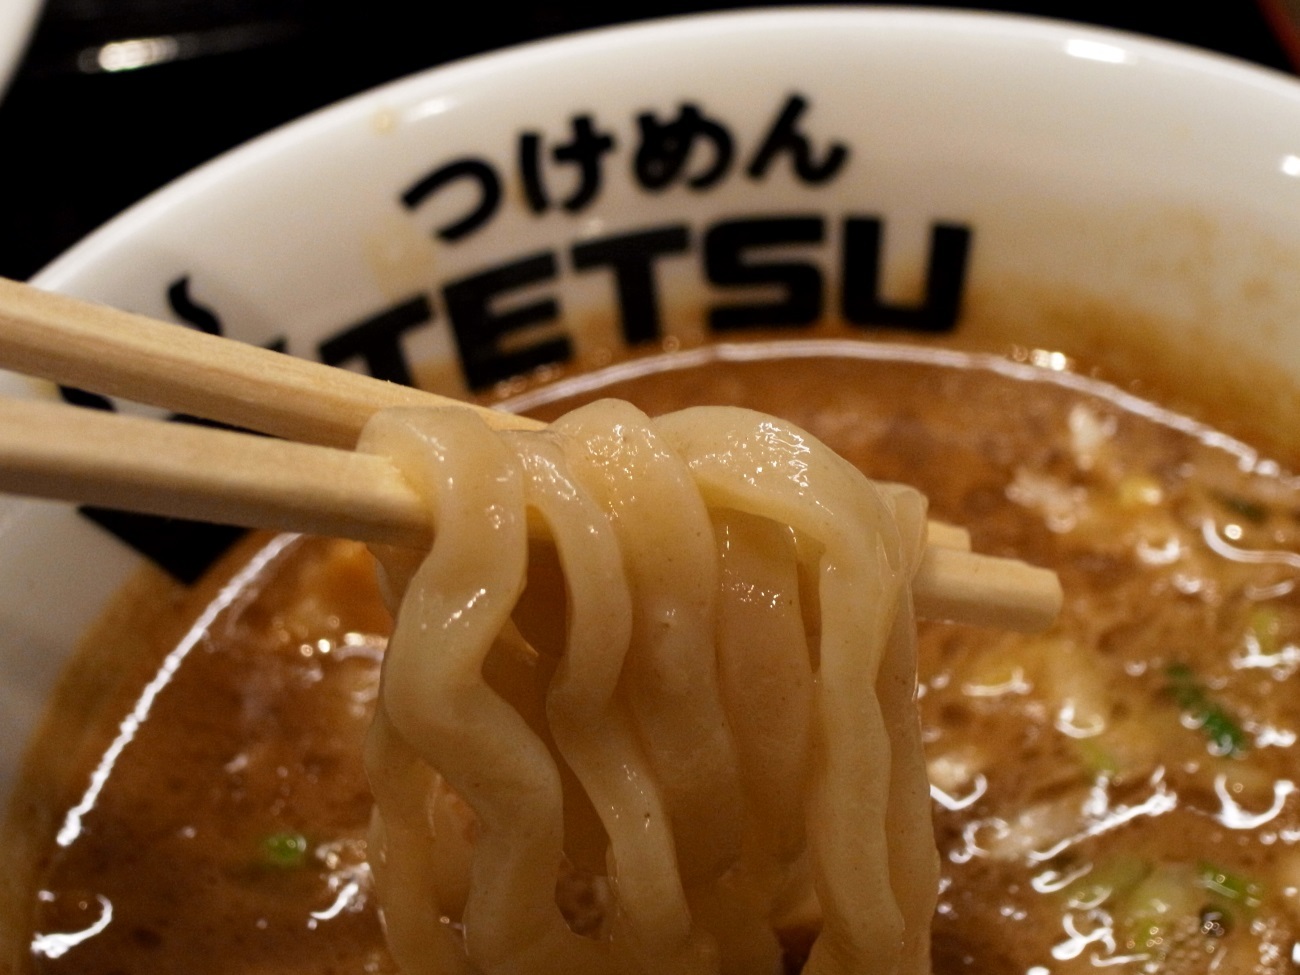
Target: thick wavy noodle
point(674, 736)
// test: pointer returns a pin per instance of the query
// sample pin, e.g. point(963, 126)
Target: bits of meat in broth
point(1117, 792)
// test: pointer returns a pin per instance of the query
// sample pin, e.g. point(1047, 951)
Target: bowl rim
point(731, 26)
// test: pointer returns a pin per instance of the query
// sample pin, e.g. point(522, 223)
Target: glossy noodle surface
point(640, 683)
point(1117, 793)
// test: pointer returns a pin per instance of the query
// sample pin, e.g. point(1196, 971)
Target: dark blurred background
point(113, 98)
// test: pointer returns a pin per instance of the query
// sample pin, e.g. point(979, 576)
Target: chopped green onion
point(287, 850)
point(1099, 761)
point(1225, 734)
point(1154, 912)
point(1108, 879)
point(1230, 886)
point(1157, 906)
point(1265, 625)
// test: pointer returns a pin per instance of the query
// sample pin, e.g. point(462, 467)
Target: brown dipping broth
point(1116, 793)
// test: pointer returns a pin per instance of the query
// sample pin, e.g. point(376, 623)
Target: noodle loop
point(692, 706)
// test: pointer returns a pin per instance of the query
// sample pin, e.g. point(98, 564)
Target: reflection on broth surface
point(1115, 793)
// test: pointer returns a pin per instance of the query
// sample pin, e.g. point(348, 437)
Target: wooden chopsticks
point(117, 353)
point(67, 453)
point(311, 481)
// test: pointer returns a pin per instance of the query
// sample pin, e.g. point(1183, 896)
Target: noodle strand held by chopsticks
point(689, 710)
point(765, 467)
point(591, 721)
point(671, 562)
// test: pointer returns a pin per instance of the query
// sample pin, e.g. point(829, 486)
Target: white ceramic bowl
point(1084, 191)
